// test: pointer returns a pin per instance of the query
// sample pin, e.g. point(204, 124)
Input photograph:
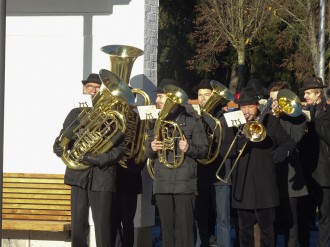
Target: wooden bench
point(38, 202)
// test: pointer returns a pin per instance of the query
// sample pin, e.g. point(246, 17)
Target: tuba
point(169, 131)
point(288, 103)
point(121, 62)
point(97, 129)
point(219, 93)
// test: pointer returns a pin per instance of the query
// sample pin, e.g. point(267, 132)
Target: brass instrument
point(219, 93)
point(254, 131)
point(288, 103)
point(151, 167)
point(166, 131)
point(121, 62)
point(97, 129)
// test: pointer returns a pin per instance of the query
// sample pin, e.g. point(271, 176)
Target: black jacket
point(95, 178)
point(254, 180)
point(316, 145)
point(182, 180)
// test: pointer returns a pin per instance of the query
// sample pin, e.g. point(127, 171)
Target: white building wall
point(47, 55)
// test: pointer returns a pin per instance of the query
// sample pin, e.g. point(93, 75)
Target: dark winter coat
point(182, 180)
point(317, 145)
point(95, 178)
point(254, 180)
point(290, 176)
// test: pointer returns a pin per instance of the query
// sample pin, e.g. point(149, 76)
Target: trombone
point(254, 131)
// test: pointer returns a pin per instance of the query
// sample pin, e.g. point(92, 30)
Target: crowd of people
point(280, 177)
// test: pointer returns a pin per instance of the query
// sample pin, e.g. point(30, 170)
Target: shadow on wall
point(148, 86)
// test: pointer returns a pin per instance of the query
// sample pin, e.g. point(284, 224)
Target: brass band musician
point(175, 187)
point(255, 194)
point(93, 187)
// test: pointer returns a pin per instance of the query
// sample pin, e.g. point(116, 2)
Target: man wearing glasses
point(92, 84)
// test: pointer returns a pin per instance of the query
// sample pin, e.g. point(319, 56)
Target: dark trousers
point(101, 205)
point(323, 201)
point(205, 213)
point(125, 212)
point(265, 219)
point(176, 214)
point(295, 222)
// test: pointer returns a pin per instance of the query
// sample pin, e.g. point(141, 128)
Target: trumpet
point(288, 103)
point(254, 131)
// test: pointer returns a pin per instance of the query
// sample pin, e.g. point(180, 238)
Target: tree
point(301, 18)
point(222, 22)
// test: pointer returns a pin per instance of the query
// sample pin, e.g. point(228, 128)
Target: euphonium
point(98, 128)
point(121, 62)
point(219, 93)
point(287, 103)
point(169, 131)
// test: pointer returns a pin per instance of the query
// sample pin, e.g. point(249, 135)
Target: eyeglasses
point(91, 87)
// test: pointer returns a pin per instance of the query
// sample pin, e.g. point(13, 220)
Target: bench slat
point(36, 217)
point(33, 211)
point(34, 185)
point(33, 180)
point(32, 175)
point(40, 191)
point(36, 201)
point(36, 225)
point(36, 196)
point(34, 206)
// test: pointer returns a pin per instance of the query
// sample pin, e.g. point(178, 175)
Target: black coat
point(317, 145)
point(182, 180)
point(290, 176)
point(95, 178)
point(254, 179)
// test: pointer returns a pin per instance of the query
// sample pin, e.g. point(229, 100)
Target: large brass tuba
point(219, 93)
point(98, 128)
point(121, 62)
point(169, 131)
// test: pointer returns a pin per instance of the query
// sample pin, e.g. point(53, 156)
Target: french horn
point(219, 93)
point(168, 131)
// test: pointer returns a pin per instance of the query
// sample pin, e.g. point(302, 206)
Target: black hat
point(313, 82)
point(203, 84)
point(248, 96)
point(166, 82)
point(256, 84)
point(92, 78)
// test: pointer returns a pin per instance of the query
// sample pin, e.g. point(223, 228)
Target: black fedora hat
point(165, 82)
point(313, 82)
point(248, 96)
point(92, 78)
point(203, 84)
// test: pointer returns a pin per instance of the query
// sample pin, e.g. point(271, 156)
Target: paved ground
point(158, 243)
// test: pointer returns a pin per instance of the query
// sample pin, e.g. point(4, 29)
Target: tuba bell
point(121, 62)
point(169, 131)
point(219, 93)
point(97, 129)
